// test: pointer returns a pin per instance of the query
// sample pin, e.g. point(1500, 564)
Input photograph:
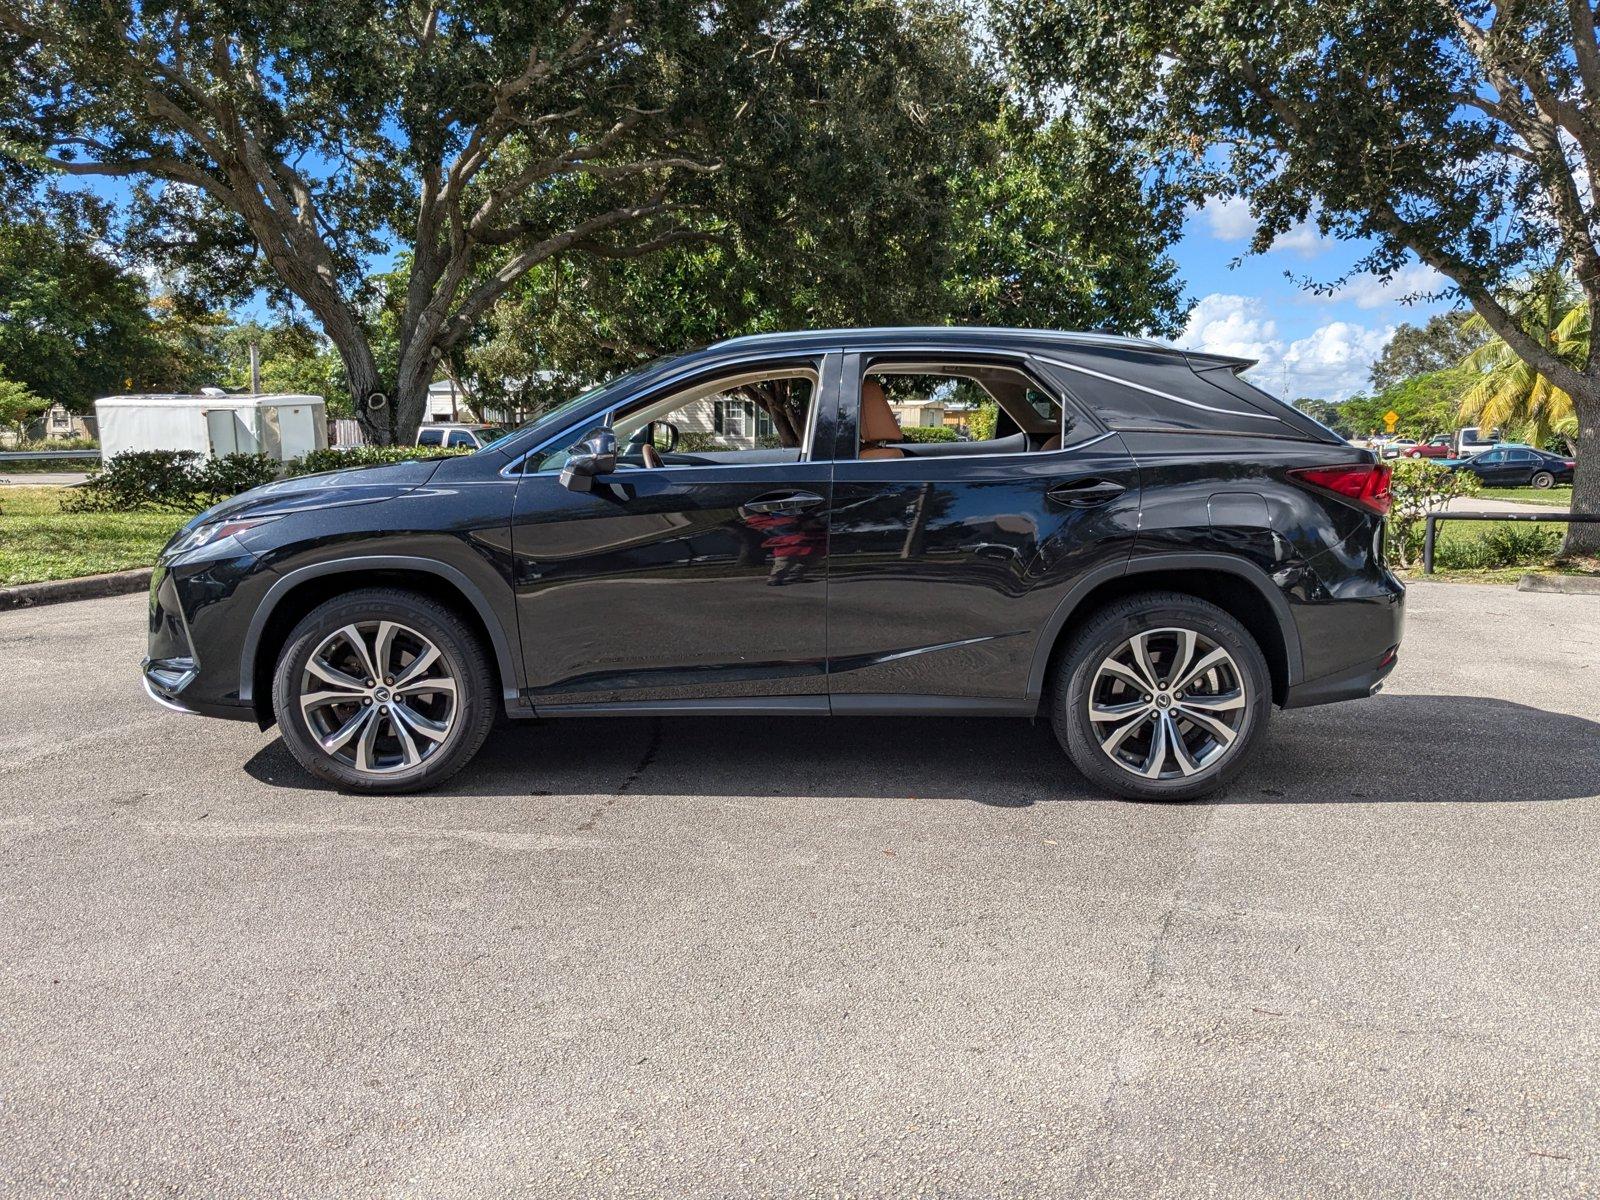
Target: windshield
point(552, 417)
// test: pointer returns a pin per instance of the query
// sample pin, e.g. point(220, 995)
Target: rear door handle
point(1086, 493)
point(781, 502)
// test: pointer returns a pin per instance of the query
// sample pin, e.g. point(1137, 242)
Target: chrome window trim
point(1139, 387)
point(998, 458)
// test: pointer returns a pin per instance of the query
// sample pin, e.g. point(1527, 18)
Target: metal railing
point(1433, 518)
point(44, 455)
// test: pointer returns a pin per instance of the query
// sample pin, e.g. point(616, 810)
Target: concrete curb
point(1569, 585)
point(89, 587)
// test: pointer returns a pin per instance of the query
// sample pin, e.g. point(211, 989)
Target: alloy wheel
point(378, 697)
point(1167, 704)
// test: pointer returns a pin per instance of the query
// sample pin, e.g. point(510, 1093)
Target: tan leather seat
point(878, 424)
point(1053, 444)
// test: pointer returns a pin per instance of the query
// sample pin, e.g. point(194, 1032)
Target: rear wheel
point(1160, 696)
point(383, 690)
point(1543, 479)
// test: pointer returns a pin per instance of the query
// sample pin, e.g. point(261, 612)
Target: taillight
point(1365, 483)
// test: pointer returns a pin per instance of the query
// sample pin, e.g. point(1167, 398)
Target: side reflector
point(1365, 483)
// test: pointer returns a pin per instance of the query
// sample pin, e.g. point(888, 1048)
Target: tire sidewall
point(1103, 635)
point(461, 655)
point(1546, 476)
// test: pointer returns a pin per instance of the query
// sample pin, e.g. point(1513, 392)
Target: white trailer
point(281, 427)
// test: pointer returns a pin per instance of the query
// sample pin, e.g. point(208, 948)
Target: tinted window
point(460, 437)
point(430, 437)
point(1492, 457)
point(1524, 456)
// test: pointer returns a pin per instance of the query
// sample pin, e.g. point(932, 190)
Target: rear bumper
point(1356, 683)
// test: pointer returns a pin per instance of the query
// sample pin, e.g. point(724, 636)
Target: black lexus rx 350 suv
point(1123, 537)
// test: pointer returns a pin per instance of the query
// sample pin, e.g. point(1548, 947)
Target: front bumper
point(191, 664)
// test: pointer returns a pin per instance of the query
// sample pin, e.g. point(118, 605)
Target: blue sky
point(1307, 344)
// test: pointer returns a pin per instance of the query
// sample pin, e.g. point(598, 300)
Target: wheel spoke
point(1217, 729)
point(1180, 751)
point(314, 700)
point(359, 723)
point(1222, 702)
point(335, 677)
point(1186, 640)
point(1116, 712)
point(358, 643)
point(441, 684)
point(409, 755)
point(1157, 758)
point(1114, 743)
point(383, 648)
point(419, 665)
point(365, 744)
point(1207, 662)
point(415, 722)
point(1141, 656)
point(1128, 675)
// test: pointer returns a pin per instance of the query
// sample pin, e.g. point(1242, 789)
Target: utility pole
point(255, 369)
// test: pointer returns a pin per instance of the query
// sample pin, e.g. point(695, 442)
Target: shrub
point(1420, 486)
point(1500, 546)
point(929, 433)
point(167, 481)
point(981, 422)
point(365, 456)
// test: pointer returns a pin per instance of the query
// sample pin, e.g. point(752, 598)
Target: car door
point(943, 570)
point(699, 581)
point(1490, 466)
point(1520, 466)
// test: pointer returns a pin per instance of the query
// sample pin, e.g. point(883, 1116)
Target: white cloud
point(1229, 218)
point(1370, 291)
point(1234, 325)
point(1303, 239)
point(1329, 363)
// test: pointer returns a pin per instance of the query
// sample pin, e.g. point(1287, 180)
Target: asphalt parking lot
point(871, 957)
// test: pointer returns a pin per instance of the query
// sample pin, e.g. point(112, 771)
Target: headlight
point(214, 531)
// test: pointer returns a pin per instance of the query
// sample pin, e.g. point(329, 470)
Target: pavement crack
point(1108, 1122)
point(651, 749)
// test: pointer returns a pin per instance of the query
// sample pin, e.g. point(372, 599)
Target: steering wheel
point(652, 459)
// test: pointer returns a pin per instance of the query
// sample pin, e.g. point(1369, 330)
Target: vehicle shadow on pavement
point(1390, 749)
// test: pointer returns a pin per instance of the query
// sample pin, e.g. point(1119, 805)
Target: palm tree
point(1507, 391)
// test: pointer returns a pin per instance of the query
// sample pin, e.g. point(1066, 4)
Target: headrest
point(878, 422)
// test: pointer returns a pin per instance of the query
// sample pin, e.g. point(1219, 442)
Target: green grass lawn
point(1460, 535)
point(1556, 497)
point(38, 541)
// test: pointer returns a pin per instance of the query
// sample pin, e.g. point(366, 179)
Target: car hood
point(327, 489)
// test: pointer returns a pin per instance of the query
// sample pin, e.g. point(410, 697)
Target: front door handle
point(781, 502)
point(1086, 493)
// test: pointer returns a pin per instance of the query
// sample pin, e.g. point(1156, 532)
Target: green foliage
point(76, 324)
point(929, 433)
point(1439, 345)
point(1055, 228)
point(18, 405)
point(168, 481)
point(1507, 392)
point(1420, 486)
point(981, 422)
point(1507, 545)
point(294, 358)
point(365, 456)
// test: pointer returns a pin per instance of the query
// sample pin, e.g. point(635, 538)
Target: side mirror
point(595, 455)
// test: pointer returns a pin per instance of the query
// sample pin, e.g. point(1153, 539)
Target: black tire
point(461, 661)
point(1079, 675)
point(1543, 479)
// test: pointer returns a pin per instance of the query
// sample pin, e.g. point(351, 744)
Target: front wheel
point(1543, 480)
point(383, 690)
point(1160, 697)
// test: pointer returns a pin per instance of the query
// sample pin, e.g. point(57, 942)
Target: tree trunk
point(1585, 539)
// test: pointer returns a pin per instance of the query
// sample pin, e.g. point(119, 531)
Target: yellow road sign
point(1391, 419)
